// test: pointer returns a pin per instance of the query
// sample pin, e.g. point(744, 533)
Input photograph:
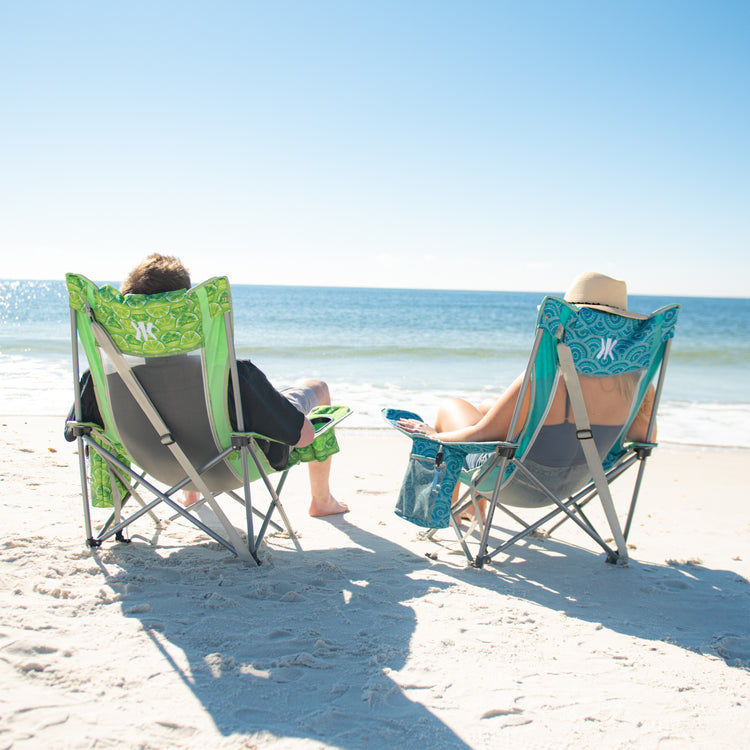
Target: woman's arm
point(638, 431)
point(494, 425)
point(470, 425)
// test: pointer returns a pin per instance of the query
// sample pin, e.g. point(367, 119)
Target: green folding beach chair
point(556, 470)
point(160, 366)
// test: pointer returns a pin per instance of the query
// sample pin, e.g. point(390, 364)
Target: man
point(280, 415)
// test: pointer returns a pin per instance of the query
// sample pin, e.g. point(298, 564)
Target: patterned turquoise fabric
point(427, 487)
point(604, 344)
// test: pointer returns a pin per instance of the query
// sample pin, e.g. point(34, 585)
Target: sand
point(361, 641)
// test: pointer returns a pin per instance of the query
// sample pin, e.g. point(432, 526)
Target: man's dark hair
point(158, 273)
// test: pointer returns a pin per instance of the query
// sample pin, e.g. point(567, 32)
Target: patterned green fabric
point(325, 444)
point(156, 325)
point(176, 323)
point(322, 447)
point(100, 477)
point(151, 325)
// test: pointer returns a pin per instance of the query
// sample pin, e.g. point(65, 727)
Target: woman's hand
point(414, 425)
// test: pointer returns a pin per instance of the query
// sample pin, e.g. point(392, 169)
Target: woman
point(608, 402)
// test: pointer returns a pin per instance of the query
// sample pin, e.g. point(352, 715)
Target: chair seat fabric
point(556, 459)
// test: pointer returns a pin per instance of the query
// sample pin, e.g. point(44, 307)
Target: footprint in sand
point(735, 650)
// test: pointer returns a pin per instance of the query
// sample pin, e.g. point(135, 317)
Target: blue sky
point(489, 145)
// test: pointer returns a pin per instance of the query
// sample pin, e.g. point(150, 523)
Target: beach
point(361, 640)
point(391, 204)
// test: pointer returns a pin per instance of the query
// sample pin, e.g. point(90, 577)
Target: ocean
point(400, 348)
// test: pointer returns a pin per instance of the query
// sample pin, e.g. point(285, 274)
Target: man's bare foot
point(328, 507)
point(189, 497)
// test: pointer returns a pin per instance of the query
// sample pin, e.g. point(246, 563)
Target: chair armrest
point(393, 415)
point(240, 437)
point(638, 444)
point(642, 450)
point(323, 418)
point(484, 447)
point(75, 429)
point(324, 444)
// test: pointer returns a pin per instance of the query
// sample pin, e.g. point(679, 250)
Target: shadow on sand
point(302, 648)
point(680, 602)
point(299, 647)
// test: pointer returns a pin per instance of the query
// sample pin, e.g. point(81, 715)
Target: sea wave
point(679, 422)
point(691, 423)
point(359, 352)
point(711, 356)
point(32, 389)
point(54, 343)
point(43, 348)
point(398, 348)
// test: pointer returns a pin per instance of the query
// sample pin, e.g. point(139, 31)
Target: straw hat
point(601, 293)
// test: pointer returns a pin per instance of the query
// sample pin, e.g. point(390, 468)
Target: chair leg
point(275, 503)
point(561, 507)
point(84, 489)
point(634, 497)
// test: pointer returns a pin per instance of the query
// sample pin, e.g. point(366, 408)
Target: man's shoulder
point(246, 368)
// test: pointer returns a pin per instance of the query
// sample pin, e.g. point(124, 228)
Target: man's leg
point(189, 497)
point(323, 503)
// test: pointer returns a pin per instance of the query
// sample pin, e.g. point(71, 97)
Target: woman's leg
point(453, 414)
point(487, 404)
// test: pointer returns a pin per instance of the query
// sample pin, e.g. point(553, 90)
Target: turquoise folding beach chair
point(160, 366)
point(524, 475)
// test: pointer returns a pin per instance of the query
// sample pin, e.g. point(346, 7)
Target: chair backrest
point(175, 387)
point(179, 347)
point(628, 352)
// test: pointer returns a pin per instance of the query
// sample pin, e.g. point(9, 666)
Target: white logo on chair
point(607, 350)
point(143, 330)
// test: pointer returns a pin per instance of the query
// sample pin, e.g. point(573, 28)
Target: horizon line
point(403, 288)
